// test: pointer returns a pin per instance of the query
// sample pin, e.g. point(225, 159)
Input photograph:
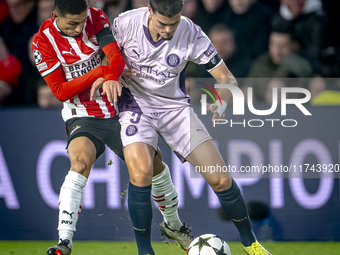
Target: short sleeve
point(201, 50)
point(121, 29)
point(124, 26)
point(116, 31)
point(45, 58)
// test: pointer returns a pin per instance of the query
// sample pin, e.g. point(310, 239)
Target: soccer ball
point(37, 56)
point(209, 244)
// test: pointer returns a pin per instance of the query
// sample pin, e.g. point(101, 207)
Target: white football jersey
point(160, 66)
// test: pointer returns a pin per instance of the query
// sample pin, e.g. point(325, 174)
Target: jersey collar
point(147, 33)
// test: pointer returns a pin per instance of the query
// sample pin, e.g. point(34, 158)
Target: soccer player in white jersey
point(157, 42)
point(67, 55)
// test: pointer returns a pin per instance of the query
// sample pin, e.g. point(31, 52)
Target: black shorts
point(99, 131)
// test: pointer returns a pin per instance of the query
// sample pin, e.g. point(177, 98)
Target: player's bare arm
point(223, 76)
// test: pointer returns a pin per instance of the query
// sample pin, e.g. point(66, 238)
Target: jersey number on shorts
point(136, 119)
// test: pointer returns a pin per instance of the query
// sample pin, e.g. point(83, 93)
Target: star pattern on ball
point(201, 242)
point(219, 251)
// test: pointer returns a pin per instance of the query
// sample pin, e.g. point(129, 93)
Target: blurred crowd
point(270, 42)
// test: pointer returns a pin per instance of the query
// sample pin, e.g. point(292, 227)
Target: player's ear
point(150, 10)
point(54, 15)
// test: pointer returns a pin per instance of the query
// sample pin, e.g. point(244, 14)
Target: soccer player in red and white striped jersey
point(67, 51)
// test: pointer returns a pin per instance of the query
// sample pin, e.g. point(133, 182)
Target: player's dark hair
point(168, 8)
point(64, 7)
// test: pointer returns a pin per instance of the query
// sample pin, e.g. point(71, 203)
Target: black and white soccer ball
point(209, 244)
point(37, 56)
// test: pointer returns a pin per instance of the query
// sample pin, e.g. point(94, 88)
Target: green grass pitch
point(161, 248)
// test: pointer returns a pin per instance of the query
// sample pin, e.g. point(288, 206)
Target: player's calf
point(70, 204)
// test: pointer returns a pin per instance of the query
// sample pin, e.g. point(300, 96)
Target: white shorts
point(180, 129)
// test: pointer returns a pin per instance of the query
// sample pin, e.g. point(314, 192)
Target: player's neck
point(153, 33)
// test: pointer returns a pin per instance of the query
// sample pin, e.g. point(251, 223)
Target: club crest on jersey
point(172, 60)
point(37, 57)
point(94, 40)
point(131, 130)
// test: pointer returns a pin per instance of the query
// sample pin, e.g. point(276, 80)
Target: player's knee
point(81, 166)
point(141, 175)
point(220, 184)
point(141, 179)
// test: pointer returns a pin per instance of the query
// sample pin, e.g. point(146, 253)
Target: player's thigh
point(139, 160)
point(182, 131)
point(92, 128)
point(189, 139)
point(85, 142)
point(208, 161)
point(82, 153)
point(139, 139)
point(114, 142)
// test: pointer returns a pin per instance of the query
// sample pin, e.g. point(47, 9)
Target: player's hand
point(129, 72)
point(112, 90)
point(96, 85)
point(217, 110)
point(125, 76)
point(123, 82)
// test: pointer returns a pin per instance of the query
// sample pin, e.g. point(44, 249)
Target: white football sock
point(70, 204)
point(165, 194)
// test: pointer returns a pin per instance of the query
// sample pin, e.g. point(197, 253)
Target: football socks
point(140, 210)
point(233, 205)
point(164, 193)
point(70, 204)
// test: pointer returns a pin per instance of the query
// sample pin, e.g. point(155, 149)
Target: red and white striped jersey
point(76, 56)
